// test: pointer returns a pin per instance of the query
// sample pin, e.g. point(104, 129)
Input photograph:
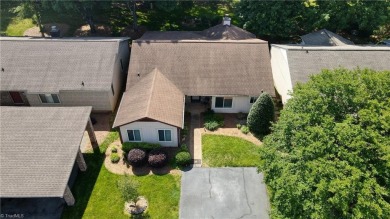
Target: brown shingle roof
point(204, 66)
point(325, 37)
point(38, 148)
point(224, 32)
point(53, 64)
point(153, 97)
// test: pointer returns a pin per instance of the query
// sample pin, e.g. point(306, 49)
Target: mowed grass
point(226, 151)
point(18, 26)
point(97, 195)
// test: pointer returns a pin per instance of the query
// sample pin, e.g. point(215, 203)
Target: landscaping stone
point(136, 208)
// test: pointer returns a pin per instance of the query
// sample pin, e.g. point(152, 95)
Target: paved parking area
point(223, 193)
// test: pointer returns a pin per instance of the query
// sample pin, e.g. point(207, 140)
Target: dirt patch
point(85, 30)
point(102, 128)
point(123, 168)
point(34, 31)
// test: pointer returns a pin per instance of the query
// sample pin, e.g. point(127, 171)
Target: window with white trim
point(223, 102)
point(49, 98)
point(134, 134)
point(164, 135)
point(253, 99)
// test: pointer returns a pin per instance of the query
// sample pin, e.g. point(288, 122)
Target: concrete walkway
point(196, 140)
point(223, 193)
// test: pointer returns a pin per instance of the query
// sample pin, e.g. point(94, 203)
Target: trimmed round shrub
point(115, 158)
point(136, 157)
point(238, 125)
point(114, 150)
point(183, 158)
point(157, 158)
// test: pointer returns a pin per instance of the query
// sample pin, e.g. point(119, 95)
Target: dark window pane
point(55, 98)
point(43, 98)
point(137, 135)
point(253, 99)
point(218, 102)
point(228, 103)
point(131, 135)
point(161, 135)
point(167, 135)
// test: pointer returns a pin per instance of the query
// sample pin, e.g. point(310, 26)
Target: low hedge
point(127, 146)
point(212, 121)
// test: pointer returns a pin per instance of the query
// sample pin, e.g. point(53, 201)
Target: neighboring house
point(324, 37)
point(40, 148)
point(295, 63)
point(63, 71)
point(224, 64)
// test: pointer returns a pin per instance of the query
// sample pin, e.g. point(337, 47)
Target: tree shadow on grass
point(84, 185)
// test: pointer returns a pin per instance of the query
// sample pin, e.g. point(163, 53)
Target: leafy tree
point(33, 9)
point(86, 8)
point(261, 114)
point(290, 19)
point(128, 188)
point(329, 156)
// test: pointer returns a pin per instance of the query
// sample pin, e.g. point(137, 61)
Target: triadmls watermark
point(11, 215)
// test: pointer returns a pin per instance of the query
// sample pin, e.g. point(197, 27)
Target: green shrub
point(238, 125)
point(261, 114)
point(115, 158)
point(128, 188)
point(211, 125)
point(158, 158)
point(183, 158)
point(212, 121)
point(244, 129)
point(183, 147)
point(114, 150)
point(127, 146)
point(136, 157)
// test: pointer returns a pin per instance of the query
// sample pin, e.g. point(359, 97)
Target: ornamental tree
point(329, 154)
point(261, 114)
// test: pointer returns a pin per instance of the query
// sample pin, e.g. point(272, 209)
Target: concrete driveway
point(223, 193)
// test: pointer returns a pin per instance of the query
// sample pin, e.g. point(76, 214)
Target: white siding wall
point(281, 72)
point(119, 74)
point(149, 132)
point(240, 104)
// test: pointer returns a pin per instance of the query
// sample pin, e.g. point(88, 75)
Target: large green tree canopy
point(329, 153)
point(287, 19)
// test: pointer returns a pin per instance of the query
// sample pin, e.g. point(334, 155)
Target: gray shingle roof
point(325, 38)
point(204, 66)
point(304, 61)
point(50, 65)
point(38, 149)
point(153, 97)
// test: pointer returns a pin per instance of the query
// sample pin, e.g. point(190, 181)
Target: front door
point(16, 97)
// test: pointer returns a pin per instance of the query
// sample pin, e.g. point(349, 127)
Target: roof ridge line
point(151, 93)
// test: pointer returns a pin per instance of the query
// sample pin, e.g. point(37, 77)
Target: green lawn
point(226, 151)
point(18, 26)
point(97, 195)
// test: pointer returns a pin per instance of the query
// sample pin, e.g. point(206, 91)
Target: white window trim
point(140, 134)
point(223, 107)
point(58, 97)
point(158, 136)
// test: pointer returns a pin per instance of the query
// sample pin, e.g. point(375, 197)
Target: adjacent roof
point(304, 61)
point(53, 64)
point(38, 149)
point(153, 97)
point(325, 37)
point(222, 60)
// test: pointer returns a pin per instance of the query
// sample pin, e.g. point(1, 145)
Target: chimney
point(226, 20)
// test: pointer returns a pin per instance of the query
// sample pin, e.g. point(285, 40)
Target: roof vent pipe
point(226, 20)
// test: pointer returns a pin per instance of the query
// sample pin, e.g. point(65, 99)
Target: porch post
point(68, 196)
point(91, 134)
point(80, 161)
